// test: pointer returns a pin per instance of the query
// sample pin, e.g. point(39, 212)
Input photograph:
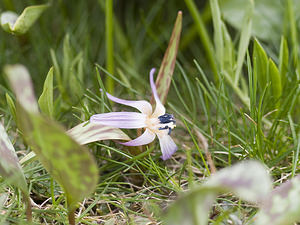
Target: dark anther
point(167, 118)
point(166, 127)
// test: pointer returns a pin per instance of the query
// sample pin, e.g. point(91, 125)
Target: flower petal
point(167, 146)
point(159, 109)
point(146, 138)
point(143, 106)
point(127, 120)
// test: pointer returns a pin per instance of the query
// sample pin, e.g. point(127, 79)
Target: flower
point(157, 123)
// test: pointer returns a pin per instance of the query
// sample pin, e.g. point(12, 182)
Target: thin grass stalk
point(109, 44)
point(208, 47)
point(293, 30)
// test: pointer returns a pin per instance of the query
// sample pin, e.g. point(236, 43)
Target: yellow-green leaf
point(275, 79)
point(283, 60)
point(11, 106)
point(260, 64)
point(15, 24)
point(46, 98)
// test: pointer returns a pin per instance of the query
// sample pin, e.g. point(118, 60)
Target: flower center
point(167, 122)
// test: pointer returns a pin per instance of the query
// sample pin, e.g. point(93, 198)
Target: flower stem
point(71, 217)
point(28, 206)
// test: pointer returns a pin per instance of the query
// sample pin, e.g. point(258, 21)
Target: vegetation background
point(224, 109)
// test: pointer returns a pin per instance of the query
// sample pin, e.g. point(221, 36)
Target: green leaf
point(229, 53)
point(275, 79)
point(70, 164)
point(70, 74)
point(85, 133)
point(166, 70)
point(283, 60)
point(11, 106)
point(15, 24)
point(244, 39)
point(46, 98)
point(267, 17)
point(9, 163)
point(282, 206)
point(218, 32)
point(260, 65)
point(248, 180)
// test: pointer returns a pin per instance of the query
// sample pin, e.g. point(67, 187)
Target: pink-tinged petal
point(167, 146)
point(143, 106)
point(159, 109)
point(146, 138)
point(127, 120)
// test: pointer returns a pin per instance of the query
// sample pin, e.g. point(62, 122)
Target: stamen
point(166, 127)
point(166, 118)
point(168, 122)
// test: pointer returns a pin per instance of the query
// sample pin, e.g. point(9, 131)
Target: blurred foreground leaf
point(69, 163)
point(282, 206)
point(248, 180)
point(15, 24)
point(10, 168)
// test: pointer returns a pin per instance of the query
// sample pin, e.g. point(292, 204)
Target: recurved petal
point(167, 146)
point(146, 138)
point(126, 120)
point(143, 106)
point(85, 133)
point(159, 109)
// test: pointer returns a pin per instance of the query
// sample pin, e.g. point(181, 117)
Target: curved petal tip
point(167, 145)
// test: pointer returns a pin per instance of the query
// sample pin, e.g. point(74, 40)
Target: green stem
point(109, 44)
point(208, 47)
point(52, 190)
point(71, 217)
point(28, 207)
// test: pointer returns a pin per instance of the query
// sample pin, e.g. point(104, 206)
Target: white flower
point(157, 123)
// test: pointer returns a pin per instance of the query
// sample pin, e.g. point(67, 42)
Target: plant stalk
point(28, 207)
point(71, 217)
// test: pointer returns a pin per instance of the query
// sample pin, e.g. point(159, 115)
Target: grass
point(238, 116)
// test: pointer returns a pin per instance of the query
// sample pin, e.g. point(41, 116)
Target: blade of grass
point(208, 47)
point(244, 40)
point(109, 44)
